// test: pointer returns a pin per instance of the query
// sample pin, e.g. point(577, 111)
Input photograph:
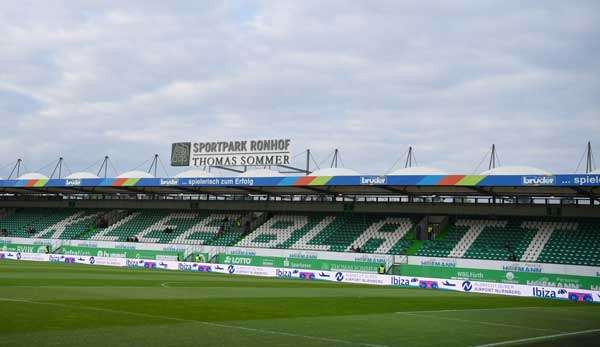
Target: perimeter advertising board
point(498, 276)
point(288, 262)
point(231, 153)
point(466, 286)
point(15, 247)
point(120, 253)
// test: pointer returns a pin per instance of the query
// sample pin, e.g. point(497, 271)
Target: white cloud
point(83, 80)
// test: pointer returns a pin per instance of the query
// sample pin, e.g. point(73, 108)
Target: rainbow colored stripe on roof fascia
point(365, 180)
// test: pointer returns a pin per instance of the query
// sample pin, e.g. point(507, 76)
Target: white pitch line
point(271, 332)
point(538, 338)
point(416, 314)
point(473, 309)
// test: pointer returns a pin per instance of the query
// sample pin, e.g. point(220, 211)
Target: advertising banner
point(432, 283)
point(23, 256)
point(15, 247)
point(119, 253)
point(279, 157)
point(512, 266)
point(306, 254)
point(310, 264)
point(499, 276)
point(88, 260)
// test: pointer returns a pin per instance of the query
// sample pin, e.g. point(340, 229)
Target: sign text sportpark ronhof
point(231, 153)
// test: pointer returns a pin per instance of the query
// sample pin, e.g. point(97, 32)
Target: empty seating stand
point(65, 223)
point(527, 239)
point(163, 226)
point(148, 226)
point(442, 246)
point(500, 243)
point(370, 233)
point(580, 246)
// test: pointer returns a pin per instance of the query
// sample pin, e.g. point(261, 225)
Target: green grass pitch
point(44, 304)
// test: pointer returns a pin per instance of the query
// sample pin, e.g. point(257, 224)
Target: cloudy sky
point(81, 79)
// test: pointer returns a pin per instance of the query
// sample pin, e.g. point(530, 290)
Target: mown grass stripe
point(539, 338)
point(220, 325)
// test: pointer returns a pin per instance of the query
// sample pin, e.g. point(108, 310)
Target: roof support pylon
point(17, 168)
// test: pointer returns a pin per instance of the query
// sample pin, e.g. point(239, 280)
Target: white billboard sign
point(232, 153)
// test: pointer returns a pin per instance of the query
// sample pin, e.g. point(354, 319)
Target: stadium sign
point(538, 180)
point(231, 153)
point(373, 180)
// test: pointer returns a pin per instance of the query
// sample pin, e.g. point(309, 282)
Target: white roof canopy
point(419, 170)
point(193, 174)
point(33, 176)
point(334, 171)
point(261, 173)
point(81, 174)
point(515, 170)
point(135, 174)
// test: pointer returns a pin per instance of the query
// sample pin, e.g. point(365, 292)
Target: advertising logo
point(543, 293)
point(180, 154)
point(237, 260)
point(538, 180)
point(204, 268)
point(448, 284)
point(134, 263)
point(307, 276)
point(428, 284)
point(373, 180)
point(398, 281)
point(231, 269)
point(339, 276)
point(92, 260)
point(169, 182)
point(580, 297)
point(185, 267)
point(467, 286)
point(76, 182)
point(18, 255)
point(283, 273)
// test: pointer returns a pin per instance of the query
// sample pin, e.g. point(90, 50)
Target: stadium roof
point(33, 176)
point(193, 173)
point(261, 173)
point(515, 170)
point(419, 170)
point(569, 185)
point(335, 171)
point(81, 174)
point(135, 174)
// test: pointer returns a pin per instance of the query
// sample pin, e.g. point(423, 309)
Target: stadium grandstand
point(506, 213)
point(510, 230)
